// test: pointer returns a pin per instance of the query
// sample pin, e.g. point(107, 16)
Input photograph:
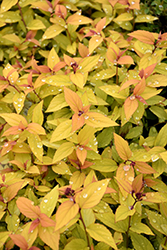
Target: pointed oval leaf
point(76, 19)
point(123, 212)
point(36, 24)
point(140, 242)
point(49, 236)
point(27, 208)
point(122, 147)
point(14, 119)
point(63, 130)
point(53, 59)
point(52, 31)
point(36, 145)
point(11, 191)
point(63, 151)
point(97, 120)
point(37, 116)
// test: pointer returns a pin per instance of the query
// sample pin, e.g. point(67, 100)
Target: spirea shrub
point(83, 126)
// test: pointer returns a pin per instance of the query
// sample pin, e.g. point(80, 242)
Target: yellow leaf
point(10, 73)
point(123, 212)
point(63, 130)
point(76, 244)
point(52, 31)
point(104, 74)
point(43, 189)
point(49, 201)
point(7, 4)
point(113, 90)
point(61, 168)
point(3, 237)
point(164, 156)
point(94, 42)
point(14, 119)
point(77, 179)
point(145, 18)
point(150, 92)
point(58, 102)
point(35, 128)
point(85, 135)
point(12, 38)
point(130, 106)
point(88, 216)
point(36, 146)
point(123, 17)
point(97, 120)
point(18, 101)
point(37, 115)
point(155, 197)
point(66, 212)
point(101, 233)
point(33, 170)
point(141, 228)
point(77, 19)
point(92, 194)
point(88, 63)
point(49, 236)
point(161, 139)
point(78, 79)
point(53, 59)
point(122, 147)
point(63, 151)
point(36, 24)
point(58, 80)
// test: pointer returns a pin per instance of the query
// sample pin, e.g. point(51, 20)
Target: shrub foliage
point(83, 126)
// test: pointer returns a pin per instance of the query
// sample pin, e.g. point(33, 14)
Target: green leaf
point(7, 4)
point(12, 222)
point(140, 242)
point(161, 139)
point(10, 17)
point(104, 138)
point(101, 233)
point(141, 228)
point(134, 132)
point(63, 151)
point(157, 221)
point(105, 165)
point(87, 216)
point(36, 145)
point(49, 201)
point(145, 19)
point(76, 244)
point(18, 101)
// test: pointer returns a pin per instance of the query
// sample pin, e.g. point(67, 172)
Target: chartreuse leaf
point(52, 31)
point(37, 115)
point(18, 101)
point(10, 17)
point(123, 212)
point(76, 244)
point(92, 194)
point(101, 233)
point(159, 111)
point(157, 221)
point(12, 222)
point(122, 147)
point(145, 19)
point(63, 130)
point(63, 151)
point(36, 24)
point(58, 102)
point(49, 201)
point(58, 80)
point(7, 4)
point(97, 120)
point(87, 216)
point(66, 212)
point(12, 38)
point(141, 228)
point(36, 145)
point(105, 165)
point(161, 139)
point(29, 237)
point(49, 236)
point(77, 179)
point(3, 237)
point(53, 59)
point(113, 90)
point(14, 119)
point(140, 242)
point(61, 168)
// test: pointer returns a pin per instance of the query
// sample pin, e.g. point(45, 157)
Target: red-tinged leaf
point(124, 184)
point(27, 208)
point(34, 224)
point(19, 240)
point(42, 5)
point(110, 190)
point(15, 130)
point(128, 83)
point(61, 11)
point(46, 221)
point(150, 182)
point(66, 212)
point(92, 194)
point(77, 79)
point(76, 19)
point(81, 154)
point(77, 122)
point(100, 25)
point(149, 70)
point(11, 191)
point(155, 197)
point(14, 119)
point(141, 99)
point(34, 248)
point(49, 237)
point(36, 128)
point(59, 66)
point(140, 87)
point(125, 60)
point(137, 184)
point(73, 100)
point(143, 36)
point(122, 147)
point(144, 168)
point(94, 42)
point(130, 106)
point(86, 164)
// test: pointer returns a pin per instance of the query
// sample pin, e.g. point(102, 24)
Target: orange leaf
point(94, 42)
point(149, 70)
point(81, 154)
point(27, 208)
point(140, 87)
point(14, 119)
point(11, 191)
point(100, 25)
point(73, 100)
point(77, 122)
point(35, 128)
point(122, 147)
point(49, 236)
point(137, 183)
point(144, 168)
point(125, 60)
point(124, 184)
point(65, 213)
point(130, 106)
point(128, 83)
point(34, 224)
point(143, 36)
point(46, 221)
point(19, 240)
